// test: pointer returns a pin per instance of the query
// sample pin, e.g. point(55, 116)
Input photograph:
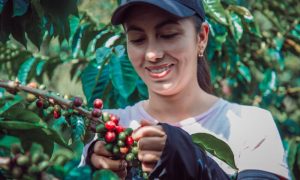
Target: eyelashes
point(164, 36)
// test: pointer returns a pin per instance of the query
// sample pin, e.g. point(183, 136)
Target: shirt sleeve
point(262, 147)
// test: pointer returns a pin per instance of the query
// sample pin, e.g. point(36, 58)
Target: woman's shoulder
point(246, 112)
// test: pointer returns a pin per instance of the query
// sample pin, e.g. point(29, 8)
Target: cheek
point(134, 56)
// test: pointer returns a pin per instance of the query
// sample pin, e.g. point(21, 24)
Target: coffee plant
point(253, 54)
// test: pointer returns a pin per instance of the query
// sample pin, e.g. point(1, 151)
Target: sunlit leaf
point(215, 9)
point(245, 72)
point(215, 147)
point(236, 27)
point(25, 69)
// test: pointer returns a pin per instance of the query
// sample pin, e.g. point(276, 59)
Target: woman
point(166, 40)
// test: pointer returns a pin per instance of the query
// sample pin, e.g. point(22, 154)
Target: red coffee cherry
point(39, 103)
point(56, 114)
point(129, 141)
point(110, 125)
point(77, 101)
point(96, 112)
point(110, 137)
point(98, 103)
point(119, 129)
point(114, 118)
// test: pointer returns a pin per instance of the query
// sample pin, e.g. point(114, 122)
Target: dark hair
point(203, 73)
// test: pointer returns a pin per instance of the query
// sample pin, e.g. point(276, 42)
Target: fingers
point(99, 149)
point(148, 131)
point(101, 162)
point(149, 156)
point(152, 143)
point(146, 123)
point(148, 167)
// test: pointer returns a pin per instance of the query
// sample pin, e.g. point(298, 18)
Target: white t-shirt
point(249, 131)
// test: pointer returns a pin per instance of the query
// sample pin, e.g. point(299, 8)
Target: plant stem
point(65, 103)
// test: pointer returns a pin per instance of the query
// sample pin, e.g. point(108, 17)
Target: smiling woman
point(165, 43)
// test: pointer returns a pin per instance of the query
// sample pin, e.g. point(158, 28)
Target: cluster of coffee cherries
point(27, 164)
point(118, 139)
point(49, 104)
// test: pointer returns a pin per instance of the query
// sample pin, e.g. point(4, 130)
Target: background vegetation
point(70, 47)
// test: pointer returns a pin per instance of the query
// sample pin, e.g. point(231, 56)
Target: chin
point(164, 91)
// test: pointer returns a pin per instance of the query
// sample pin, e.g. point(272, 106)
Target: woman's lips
point(159, 71)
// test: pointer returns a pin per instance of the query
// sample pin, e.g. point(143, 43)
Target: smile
point(159, 71)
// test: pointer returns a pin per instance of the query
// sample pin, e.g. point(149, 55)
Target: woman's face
point(162, 49)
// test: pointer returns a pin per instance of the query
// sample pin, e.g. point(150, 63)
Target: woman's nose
point(154, 53)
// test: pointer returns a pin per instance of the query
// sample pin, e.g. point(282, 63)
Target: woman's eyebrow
point(158, 26)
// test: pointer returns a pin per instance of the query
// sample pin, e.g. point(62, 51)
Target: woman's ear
point(202, 37)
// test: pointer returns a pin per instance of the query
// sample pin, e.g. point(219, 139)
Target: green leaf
point(269, 82)
point(17, 99)
point(35, 29)
point(216, 147)
point(242, 11)
point(105, 174)
point(102, 54)
point(215, 9)
point(6, 141)
point(123, 75)
point(20, 7)
point(22, 114)
point(94, 81)
point(80, 173)
point(236, 27)
point(245, 72)
point(19, 125)
point(25, 69)
point(142, 88)
point(2, 4)
point(56, 137)
point(39, 67)
point(78, 127)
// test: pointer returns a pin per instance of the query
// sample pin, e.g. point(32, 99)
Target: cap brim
point(172, 7)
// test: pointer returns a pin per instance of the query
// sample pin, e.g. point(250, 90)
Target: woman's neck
point(172, 109)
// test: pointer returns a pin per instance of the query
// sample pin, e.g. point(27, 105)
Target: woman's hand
point(151, 142)
point(102, 159)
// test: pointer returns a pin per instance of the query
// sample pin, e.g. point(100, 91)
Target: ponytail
point(203, 73)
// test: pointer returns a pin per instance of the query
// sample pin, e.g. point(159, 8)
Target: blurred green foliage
point(253, 53)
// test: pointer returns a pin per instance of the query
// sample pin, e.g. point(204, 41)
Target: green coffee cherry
point(23, 160)
point(36, 158)
point(116, 150)
point(100, 128)
point(128, 131)
point(134, 150)
point(17, 172)
point(129, 157)
point(122, 136)
point(108, 147)
point(43, 165)
point(33, 169)
point(105, 117)
point(120, 143)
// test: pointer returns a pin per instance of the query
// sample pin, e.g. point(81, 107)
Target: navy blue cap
point(179, 8)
